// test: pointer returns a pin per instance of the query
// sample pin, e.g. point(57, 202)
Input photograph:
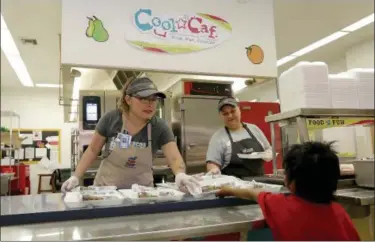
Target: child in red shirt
point(312, 170)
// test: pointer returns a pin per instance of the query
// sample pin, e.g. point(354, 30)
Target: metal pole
point(273, 143)
point(302, 128)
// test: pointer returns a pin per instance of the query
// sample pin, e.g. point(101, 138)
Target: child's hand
point(225, 191)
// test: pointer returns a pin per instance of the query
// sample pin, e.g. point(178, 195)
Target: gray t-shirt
point(110, 124)
point(220, 149)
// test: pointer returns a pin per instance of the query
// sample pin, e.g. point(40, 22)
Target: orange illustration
point(255, 54)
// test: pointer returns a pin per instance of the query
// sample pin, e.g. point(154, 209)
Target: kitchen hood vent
point(123, 77)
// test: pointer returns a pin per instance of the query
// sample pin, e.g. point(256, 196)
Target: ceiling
point(298, 23)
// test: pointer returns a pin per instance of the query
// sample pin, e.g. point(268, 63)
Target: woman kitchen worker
point(131, 134)
point(239, 149)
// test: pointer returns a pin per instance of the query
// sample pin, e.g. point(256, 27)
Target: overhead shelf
point(321, 113)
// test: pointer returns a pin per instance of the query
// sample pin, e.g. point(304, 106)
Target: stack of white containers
point(305, 85)
point(364, 79)
point(343, 91)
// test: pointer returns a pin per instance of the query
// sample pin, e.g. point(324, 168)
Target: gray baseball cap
point(143, 87)
point(227, 101)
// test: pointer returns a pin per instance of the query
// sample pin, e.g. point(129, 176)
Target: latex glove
point(214, 171)
point(188, 183)
point(69, 184)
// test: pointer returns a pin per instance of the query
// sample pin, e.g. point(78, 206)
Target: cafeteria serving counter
point(45, 217)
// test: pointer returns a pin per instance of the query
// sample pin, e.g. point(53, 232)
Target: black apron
point(244, 167)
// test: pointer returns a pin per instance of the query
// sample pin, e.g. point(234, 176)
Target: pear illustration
point(96, 30)
point(90, 28)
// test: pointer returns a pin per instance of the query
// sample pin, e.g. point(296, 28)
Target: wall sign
point(323, 123)
point(179, 33)
point(211, 37)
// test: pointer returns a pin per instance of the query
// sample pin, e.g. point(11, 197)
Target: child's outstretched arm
point(249, 194)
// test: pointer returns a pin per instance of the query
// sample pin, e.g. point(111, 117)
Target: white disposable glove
point(188, 183)
point(69, 184)
point(214, 171)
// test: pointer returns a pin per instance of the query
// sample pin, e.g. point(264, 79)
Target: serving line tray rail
point(49, 207)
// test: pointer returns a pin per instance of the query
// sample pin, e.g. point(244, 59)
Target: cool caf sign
point(175, 34)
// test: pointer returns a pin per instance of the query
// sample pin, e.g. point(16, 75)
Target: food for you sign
point(178, 33)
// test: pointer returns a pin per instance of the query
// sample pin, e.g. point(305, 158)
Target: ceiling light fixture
point(10, 50)
point(48, 85)
point(335, 36)
point(284, 60)
point(319, 43)
point(359, 24)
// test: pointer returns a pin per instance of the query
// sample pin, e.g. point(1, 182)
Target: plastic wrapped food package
point(209, 184)
point(146, 194)
point(94, 188)
point(212, 184)
point(259, 185)
point(74, 200)
point(95, 198)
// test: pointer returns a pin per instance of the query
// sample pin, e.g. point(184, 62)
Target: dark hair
point(315, 169)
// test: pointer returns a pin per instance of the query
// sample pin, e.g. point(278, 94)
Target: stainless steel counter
point(356, 196)
point(159, 226)
point(164, 226)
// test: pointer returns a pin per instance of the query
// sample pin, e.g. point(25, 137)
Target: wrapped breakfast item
point(93, 197)
point(94, 188)
point(74, 200)
point(209, 184)
point(264, 186)
point(140, 194)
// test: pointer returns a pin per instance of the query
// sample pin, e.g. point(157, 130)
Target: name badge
point(125, 141)
point(112, 145)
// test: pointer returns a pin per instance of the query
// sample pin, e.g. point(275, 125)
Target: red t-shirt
point(292, 218)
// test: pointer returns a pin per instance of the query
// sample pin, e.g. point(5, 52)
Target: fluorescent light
point(320, 43)
point(284, 60)
point(48, 85)
point(75, 96)
point(10, 50)
point(359, 24)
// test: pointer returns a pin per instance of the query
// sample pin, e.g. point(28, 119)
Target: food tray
point(266, 187)
point(156, 195)
point(98, 199)
point(94, 188)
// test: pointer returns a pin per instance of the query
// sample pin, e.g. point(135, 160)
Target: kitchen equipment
point(364, 173)
point(195, 118)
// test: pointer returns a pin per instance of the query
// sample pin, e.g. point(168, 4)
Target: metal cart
point(299, 122)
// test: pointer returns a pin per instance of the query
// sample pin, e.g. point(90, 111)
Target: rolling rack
point(8, 139)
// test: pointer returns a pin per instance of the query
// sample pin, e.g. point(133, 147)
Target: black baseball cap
point(227, 101)
point(143, 87)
